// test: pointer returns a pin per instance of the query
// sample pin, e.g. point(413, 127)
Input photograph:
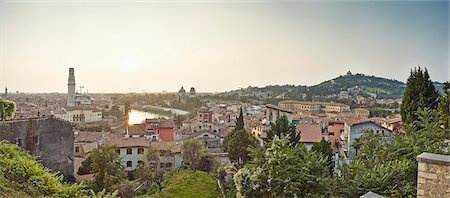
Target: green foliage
point(7, 109)
point(22, 176)
point(195, 155)
point(444, 105)
point(282, 126)
point(188, 183)
point(419, 93)
point(325, 149)
point(280, 170)
point(240, 121)
point(238, 144)
point(104, 163)
point(390, 167)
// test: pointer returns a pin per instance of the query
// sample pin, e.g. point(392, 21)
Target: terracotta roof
point(353, 120)
point(81, 107)
point(310, 133)
point(137, 129)
point(88, 147)
point(87, 136)
point(174, 147)
point(166, 124)
point(278, 108)
point(120, 141)
point(360, 109)
point(394, 120)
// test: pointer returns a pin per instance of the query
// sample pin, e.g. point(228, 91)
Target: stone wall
point(433, 179)
point(48, 138)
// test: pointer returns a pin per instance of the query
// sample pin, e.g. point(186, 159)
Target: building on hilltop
point(50, 139)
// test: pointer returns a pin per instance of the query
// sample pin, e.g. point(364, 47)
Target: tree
point(390, 167)
point(281, 170)
point(419, 93)
point(7, 109)
point(325, 149)
point(282, 126)
point(444, 105)
point(238, 146)
point(104, 163)
point(151, 172)
point(192, 151)
point(240, 121)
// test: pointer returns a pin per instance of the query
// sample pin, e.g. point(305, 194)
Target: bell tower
point(71, 88)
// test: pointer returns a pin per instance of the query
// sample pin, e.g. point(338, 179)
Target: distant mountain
point(355, 84)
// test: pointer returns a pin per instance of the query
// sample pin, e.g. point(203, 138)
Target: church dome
point(182, 91)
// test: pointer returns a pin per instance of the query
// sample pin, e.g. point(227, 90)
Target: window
point(129, 163)
point(118, 151)
point(77, 149)
point(140, 150)
point(129, 151)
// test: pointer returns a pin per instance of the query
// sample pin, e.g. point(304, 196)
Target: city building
point(274, 111)
point(313, 107)
point(335, 128)
point(361, 112)
point(355, 128)
point(204, 116)
point(309, 134)
point(79, 114)
point(130, 149)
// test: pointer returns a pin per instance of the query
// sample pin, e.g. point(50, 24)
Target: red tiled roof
point(120, 141)
point(87, 136)
point(137, 129)
point(310, 133)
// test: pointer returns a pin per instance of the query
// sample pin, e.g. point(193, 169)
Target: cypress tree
point(419, 93)
point(240, 121)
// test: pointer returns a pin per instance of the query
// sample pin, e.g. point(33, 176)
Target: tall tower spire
point(71, 88)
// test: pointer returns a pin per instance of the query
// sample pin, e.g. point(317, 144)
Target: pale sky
point(119, 46)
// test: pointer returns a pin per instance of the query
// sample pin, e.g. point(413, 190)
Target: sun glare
point(133, 118)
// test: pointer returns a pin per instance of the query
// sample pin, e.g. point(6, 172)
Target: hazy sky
point(215, 46)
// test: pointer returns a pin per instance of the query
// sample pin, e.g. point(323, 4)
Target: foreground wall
point(434, 175)
point(48, 138)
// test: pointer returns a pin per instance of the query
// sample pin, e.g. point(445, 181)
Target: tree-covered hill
point(382, 87)
point(358, 84)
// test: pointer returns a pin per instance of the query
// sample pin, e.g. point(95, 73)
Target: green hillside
point(188, 183)
point(384, 88)
point(365, 85)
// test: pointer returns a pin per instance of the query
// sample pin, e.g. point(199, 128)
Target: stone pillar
point(433, 178)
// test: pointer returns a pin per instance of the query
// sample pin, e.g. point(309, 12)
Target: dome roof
point(192, 91)
point(182, 90)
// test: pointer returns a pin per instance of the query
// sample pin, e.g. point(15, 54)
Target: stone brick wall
point(433, 179)
point(48, 138)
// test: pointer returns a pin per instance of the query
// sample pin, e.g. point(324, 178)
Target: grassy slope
point(187, 183)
